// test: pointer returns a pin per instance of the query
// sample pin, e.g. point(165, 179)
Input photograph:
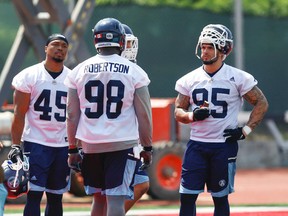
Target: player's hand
point(200, 113)
point(147, 159)
point(75, 160)
point(15, 153)
point(232, 135)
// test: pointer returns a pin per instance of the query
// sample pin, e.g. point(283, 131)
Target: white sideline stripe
point(207, 210)
point(176, 211)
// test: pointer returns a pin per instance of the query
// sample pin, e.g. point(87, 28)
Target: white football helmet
point(218, 35)
point(131, 45)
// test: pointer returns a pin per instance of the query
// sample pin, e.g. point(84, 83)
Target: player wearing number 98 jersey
point(106, 87)
point(109, 111)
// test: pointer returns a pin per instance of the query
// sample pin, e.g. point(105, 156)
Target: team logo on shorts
point(222, 183)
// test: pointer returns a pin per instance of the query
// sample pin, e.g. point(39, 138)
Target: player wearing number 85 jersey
point(40, 124)
point(214, 93)
point(109, 110)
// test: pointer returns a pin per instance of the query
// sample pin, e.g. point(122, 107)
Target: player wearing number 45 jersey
point(109, 110)
point(214, 94)
point(40, 124)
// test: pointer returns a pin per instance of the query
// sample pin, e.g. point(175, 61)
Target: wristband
point(148, 148)
point(15, 145)
point(246, 130)
point(72, 150)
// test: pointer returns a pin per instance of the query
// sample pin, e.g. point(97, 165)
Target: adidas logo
point(232, 79)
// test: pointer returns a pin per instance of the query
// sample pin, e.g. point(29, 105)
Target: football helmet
point(218, 35)
point(131, 45)
point(109, 32)
point(16, 177)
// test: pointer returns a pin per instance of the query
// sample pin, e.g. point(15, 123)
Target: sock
point(188, 206)
point(32, 206)
point(54, 205)
point(222, 207)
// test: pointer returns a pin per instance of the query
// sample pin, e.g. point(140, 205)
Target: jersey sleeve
point(23, 82)
point(246, 83)
point(140, 77)
point(70, 79)
point(181, 85)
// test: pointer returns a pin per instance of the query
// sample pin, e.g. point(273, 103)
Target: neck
point(213, 67)
point(109, 51)
point(53, 66)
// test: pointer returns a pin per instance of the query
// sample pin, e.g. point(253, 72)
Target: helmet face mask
point(131, 44)
point(218, 35)
point(131, 48)
point(109, 32)
point(16, 177)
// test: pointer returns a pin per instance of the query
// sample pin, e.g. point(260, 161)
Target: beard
point(211, 61)
point(59, 60)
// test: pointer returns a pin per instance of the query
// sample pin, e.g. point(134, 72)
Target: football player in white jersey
point(39, 126)
point(108, 110)
point(209, 99)
point(141, 179)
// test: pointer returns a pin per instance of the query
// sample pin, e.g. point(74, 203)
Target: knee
point(188, 198)
point(142, 188)
point(220, 200)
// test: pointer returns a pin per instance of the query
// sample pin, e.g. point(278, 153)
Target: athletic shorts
point(110, 173)
point(48, 168)
point(210, 164)
point(140, 175)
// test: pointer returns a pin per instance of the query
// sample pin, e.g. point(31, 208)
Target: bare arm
point(181, 109)
point(143, 111)
point(73, 116)
point(256, 98)
point(21, 106)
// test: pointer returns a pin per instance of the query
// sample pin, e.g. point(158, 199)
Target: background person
point(214, 93)
point(141, 179)
point(3, 191)
point(39, 123)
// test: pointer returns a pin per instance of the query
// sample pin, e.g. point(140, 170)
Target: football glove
point(146, 157)
point(75, 160)
point(15, 153)
point(200, 113)
point(232, 135)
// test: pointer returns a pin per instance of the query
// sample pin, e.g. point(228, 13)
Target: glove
point(75, 160)
point(15, 153)
point(147, 159)
point(81, 152)
point(200, 113)
point(232, 135)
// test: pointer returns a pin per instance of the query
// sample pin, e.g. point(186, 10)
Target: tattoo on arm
point(182, 101)
point(182, 104)
point(256, 98)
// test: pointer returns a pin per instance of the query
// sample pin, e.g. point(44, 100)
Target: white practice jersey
point(224, 93)
point(45, 121)
point(105, 87)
